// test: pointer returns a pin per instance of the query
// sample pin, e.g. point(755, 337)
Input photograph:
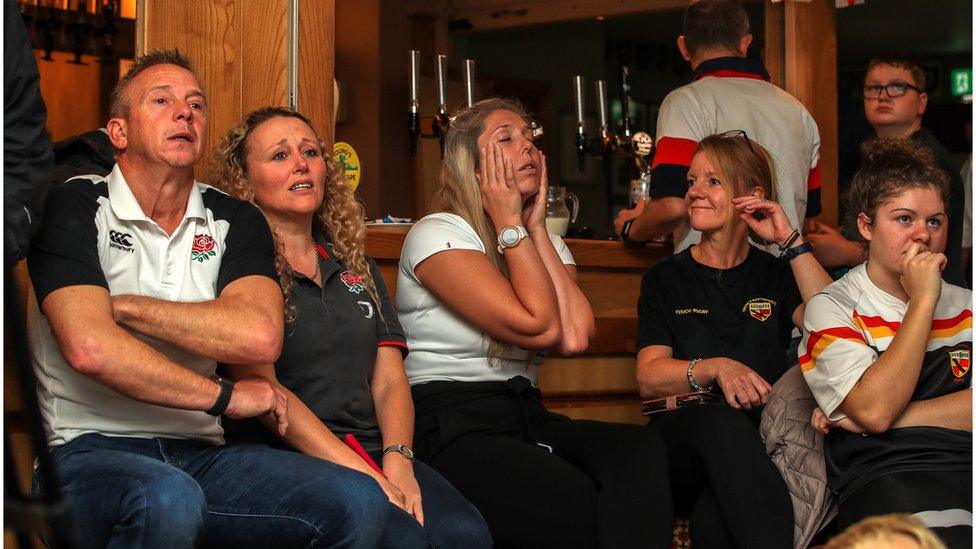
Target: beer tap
point(580, 121)
point(413, 123)
point(469, 82)
point(442, 122)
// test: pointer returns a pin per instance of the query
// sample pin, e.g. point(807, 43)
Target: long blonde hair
point(460, 192)
point(340, 217)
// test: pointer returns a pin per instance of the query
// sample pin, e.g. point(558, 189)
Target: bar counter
point(598, 384)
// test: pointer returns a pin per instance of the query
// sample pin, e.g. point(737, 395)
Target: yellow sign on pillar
point(347, 157)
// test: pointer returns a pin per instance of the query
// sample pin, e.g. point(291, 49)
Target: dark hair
point(889, 167)
point(714, 24)
point(119, 104)
point(902, 62)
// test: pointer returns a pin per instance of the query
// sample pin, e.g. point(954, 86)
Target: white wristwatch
point(510, 237)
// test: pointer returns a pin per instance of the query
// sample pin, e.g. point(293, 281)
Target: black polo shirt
point(330, 349)
point(743, 313)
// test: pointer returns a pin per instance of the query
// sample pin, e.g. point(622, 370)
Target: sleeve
point(679, 129)
point(652, 324)
point(562, 250)
point(65, 251)
point(814, 207)
point(436, 233)
point(250, 248)
point(27, 154)
point(833, 353)
point(388, 330)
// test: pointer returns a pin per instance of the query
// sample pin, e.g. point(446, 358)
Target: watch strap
point(523, 233)
point(223, 398)
point(401, 449)
point(795, 251)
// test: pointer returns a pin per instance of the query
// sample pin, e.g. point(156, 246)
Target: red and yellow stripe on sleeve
point(821, 339)
point(950, 327)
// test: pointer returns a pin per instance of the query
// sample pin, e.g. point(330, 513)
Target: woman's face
point(709, 204)
point(514, 136)
point(285, 167)
point(913, 215)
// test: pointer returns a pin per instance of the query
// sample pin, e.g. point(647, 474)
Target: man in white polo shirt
point(144, 280)
point(729, 91)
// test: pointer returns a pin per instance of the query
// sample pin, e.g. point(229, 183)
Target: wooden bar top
point(385, 242)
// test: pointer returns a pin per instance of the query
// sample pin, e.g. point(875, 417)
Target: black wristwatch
point(223, 399)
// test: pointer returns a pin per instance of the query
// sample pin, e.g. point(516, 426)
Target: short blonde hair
point(875, 532)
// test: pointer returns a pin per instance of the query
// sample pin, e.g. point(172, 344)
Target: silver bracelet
point(692, 382)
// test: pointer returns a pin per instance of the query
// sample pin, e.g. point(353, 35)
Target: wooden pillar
point(801, 54)
point(241, 52)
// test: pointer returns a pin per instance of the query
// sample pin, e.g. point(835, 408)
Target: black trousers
point(723, 480)
point(540, 479)
point(942, 499)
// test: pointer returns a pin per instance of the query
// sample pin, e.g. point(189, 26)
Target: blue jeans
point(167, 493)
point(450, 521)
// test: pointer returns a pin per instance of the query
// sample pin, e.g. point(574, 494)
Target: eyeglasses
point(893, 89)
point(738, 133)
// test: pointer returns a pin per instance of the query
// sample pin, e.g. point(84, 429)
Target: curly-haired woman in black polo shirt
point(341, 359)
point(719, 316)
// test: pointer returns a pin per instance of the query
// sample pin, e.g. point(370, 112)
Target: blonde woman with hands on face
point(483, 290)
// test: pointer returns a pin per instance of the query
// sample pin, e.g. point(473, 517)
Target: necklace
point(315, 274)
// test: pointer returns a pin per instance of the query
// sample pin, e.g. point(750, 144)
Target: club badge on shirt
point(203, 248)
point(959, 362)
point(759, 308)
point(353, 281)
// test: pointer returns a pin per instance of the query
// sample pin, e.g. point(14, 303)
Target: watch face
point(509, 236)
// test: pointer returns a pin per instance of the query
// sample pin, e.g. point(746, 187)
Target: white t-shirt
point(443, 346)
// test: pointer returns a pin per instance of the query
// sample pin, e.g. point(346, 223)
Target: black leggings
point(724, 481)
point(601, 484)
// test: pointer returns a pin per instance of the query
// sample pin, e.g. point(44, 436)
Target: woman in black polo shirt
point(718, 316)
point(342, 357)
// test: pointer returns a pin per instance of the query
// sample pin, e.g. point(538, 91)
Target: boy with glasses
point(894, 102)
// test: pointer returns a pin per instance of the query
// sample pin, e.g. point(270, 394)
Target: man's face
point(885, 111)
point(166, 119)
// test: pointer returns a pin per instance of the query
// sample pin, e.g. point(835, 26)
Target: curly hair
point(889, 167)
point(340, 217)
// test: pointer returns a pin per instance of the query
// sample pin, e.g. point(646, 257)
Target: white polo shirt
point(95, 233)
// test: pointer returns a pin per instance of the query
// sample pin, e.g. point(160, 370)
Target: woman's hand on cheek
point(774, 225)
point(534, 210)
point(499, 194)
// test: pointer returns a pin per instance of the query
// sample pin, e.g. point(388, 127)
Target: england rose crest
point(353, 281)
point(203, 248)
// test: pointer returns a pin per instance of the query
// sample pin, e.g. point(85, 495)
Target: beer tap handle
point(578, 102)
point(625, 100)
point(413, 122)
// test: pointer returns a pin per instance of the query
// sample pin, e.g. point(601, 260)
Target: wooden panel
point(72, 94)
point(811, 76)
point(316, 64)
point(209, 34)
point(262, 51)
point(773, 43)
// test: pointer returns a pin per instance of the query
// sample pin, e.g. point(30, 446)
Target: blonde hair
point(744, 165)
point(875, 532)
point(460, 192)
point(340, 217)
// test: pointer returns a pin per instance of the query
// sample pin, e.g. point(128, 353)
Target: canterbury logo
point(120, 241)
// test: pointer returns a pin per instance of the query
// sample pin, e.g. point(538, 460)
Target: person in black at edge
point(894, 103)
point(887, 352)
point(718, 316)
point(341, 360)
point(27, 154)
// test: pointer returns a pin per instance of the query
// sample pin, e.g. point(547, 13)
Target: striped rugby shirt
point(734, 93)
point(846, 328)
